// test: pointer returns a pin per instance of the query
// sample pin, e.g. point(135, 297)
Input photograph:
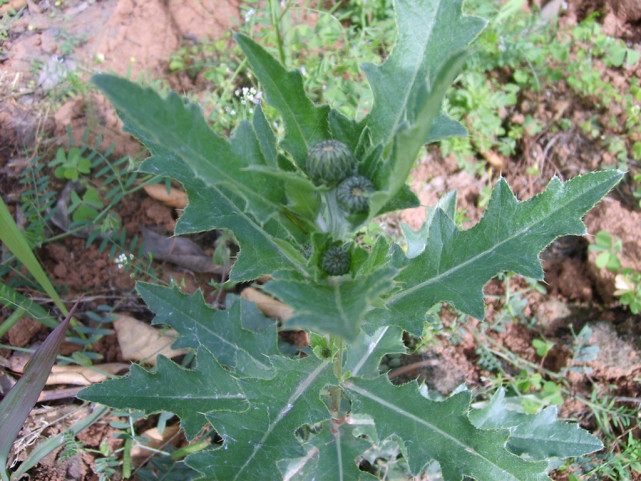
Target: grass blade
point(12, 237)
point(17, 404)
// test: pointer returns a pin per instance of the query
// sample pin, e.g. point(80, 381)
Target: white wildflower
point(249, 14)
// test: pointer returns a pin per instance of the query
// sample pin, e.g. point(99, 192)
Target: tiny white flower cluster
point(249, 14)
point(248, 94)
point(123, 259)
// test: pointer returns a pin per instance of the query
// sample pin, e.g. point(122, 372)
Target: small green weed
point(70, 165)
point(68, 43)
point(542, 347)
point(86, 207)
point(628, 289)
point(627, 282)
point(515, 63)
point(327, 55)
point(609, 247)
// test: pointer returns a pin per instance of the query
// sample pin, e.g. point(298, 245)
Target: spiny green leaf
point(261, 252)
point(243, 351)
point(540, 436)
point(441, 431)
point(189, 393)
point(175, 130)
point(305, 123)
point(19, 401)
point(331, 456)
point(336, 306)
point(409, 88)
point(363, 356)
point(212, 171)
point(401, 151)
point(255, 441)
point(429, 32)
point(455, 265)
point(444, 126)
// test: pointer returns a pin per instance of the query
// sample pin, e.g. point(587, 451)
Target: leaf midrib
point(468, 449)
point(370, 350)
point(184, 397)
point(440, 277)
point(412, 78)
point(289, 406)
point(162, 301)
point(147, 128)
point(153, 125)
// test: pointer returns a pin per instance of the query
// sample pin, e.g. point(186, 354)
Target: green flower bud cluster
point(353, 192)
point(336, 260)
point(329, 162)
point(332, 164)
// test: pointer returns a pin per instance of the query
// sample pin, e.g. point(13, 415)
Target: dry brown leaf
point(180, 251)
point(495, 160)
point(82, 375)
point(156, 441)
point(268, 305)
point(174, 198)
point(139, 341)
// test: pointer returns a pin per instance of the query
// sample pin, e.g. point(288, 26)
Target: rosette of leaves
point(314, 417)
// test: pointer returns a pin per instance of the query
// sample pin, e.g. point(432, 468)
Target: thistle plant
point(318, 415)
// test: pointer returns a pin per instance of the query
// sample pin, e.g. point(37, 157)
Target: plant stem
point(509, 356)
point(335, 392)
point(338, 359)
point(274, 11)
point(11, 320)
point(336, 225)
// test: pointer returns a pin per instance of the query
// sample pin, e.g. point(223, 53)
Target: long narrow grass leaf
point(12, 237)
point(17, 404)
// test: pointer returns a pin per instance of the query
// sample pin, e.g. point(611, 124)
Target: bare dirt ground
point(136, 37)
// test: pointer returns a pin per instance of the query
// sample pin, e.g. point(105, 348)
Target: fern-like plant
point(318, 416)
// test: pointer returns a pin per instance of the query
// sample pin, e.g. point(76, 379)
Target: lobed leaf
point(305, 123)
point(188, 393)
point(540, 436)
point(255, 441)
point(455, 264)
point(429, 32)
point(222, 192)
point(440, 431)
point(243, 351)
